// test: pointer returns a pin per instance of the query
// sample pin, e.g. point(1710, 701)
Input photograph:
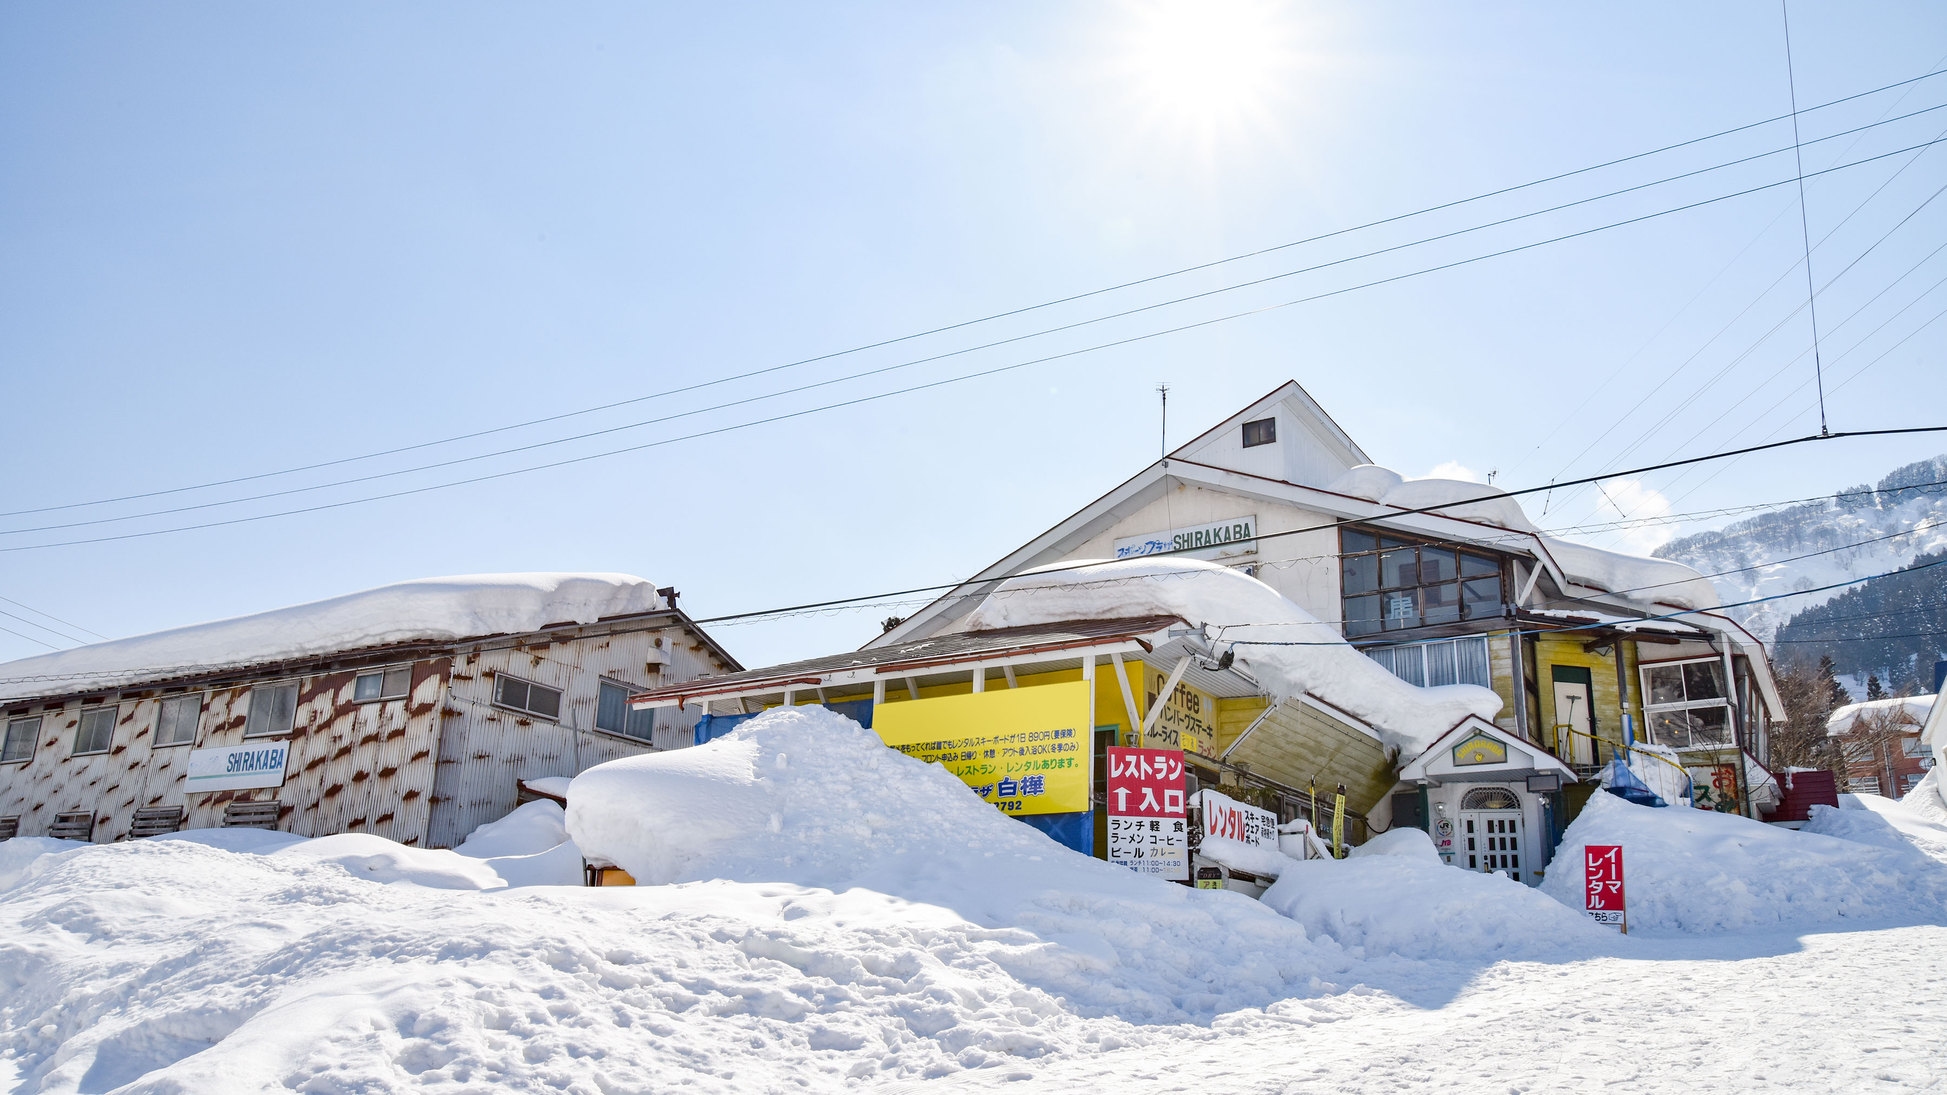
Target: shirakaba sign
point(1213, 540)
point(237, 767)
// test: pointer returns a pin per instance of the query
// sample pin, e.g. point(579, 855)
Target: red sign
point(1602, 886)
point(1146, 783)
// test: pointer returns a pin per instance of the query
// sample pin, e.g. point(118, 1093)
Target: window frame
point(1267, 432)
point(195, 727)
point(33, 738)
point(295, 684)
point(81, 727)
point(1419, 648)
point(1384, 596)
point(383, 673)
point(1724, 701)
point(629, 714)
point(559, 695)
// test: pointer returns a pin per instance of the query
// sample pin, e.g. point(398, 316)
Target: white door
point(1492, 836)
point(1572, 703)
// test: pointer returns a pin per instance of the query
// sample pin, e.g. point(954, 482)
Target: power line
point(862, 399)
point(1805, 232)
point(1937, 71)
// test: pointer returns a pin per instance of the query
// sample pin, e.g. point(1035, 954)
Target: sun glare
point(1210, 66)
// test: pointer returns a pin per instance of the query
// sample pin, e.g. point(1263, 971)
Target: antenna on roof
point(1164, 391)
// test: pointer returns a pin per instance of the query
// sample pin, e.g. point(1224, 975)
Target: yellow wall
point(1567, 650)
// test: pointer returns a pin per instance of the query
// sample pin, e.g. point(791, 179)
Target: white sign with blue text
point(1211, 540)
point(237, 767)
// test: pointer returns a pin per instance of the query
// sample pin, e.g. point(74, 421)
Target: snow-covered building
point(411, 711)
point(1882, 742)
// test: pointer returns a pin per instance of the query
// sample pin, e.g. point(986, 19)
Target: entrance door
point(1574, 715)
point(1492, 836)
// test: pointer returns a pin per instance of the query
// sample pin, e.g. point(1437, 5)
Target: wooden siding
point(1297, 743)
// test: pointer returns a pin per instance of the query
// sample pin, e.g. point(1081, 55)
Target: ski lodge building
point(412, 711)
point(1592, 655)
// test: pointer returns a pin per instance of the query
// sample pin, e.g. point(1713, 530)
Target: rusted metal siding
point(485, 750)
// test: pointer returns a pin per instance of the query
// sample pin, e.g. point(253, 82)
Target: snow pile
point(1893, 711)
point(806, 797)
point(1394, 895)
point(427, 610)
point(1702, 871)
point(1874, 819)
point(1237, 608)
point(1662, 772)
point(20, 854)
point(1640, 578)
point(1925, 800)
point(1457, 497)
point(1261, 860)
point(529, 847)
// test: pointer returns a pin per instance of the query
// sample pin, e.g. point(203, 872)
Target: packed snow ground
point(802, 942)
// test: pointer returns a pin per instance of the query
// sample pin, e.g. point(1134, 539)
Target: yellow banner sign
point(1188, 721)
point(1026, 750)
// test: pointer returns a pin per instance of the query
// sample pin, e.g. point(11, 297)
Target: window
point(535, 699)
point(176, 725)
point(1909, 782)
point(1392, 584)
point(21, 736)
point(1262, 432)
point(382, 684)
point(1449, 661)
point(97, 730)
point(273, 709)
point(1863, 785)
point(614, 715)
point(1913, 747)
point(1687, 704)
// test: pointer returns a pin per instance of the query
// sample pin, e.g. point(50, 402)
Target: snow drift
point(427, 610)
point(1283, 646)
point(1699, 871)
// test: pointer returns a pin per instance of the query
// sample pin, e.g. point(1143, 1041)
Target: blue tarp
point(1618, 780)
point(711, 727)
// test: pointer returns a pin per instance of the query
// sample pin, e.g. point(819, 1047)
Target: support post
point(1128, 698)
point(1163, 695)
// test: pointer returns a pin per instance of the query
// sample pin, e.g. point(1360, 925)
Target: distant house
point(412, 711)
point(1882, 743)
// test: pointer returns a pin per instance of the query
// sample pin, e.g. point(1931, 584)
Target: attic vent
point(1262, 432)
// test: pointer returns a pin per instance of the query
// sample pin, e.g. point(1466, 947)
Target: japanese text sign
point(1148, 829)
point(1146, 783)
point(1603, 884)
point(1022, 749)
point(1226, 817)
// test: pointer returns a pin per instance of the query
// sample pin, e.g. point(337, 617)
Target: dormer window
point(1262, 432)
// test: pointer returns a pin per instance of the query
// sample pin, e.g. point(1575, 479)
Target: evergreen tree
point(1874, 691)
point(1835, 693)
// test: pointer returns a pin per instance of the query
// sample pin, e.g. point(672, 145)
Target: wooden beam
point(1128, 699)
point(979, 677)
point(1163, 695)
point(1007, 670)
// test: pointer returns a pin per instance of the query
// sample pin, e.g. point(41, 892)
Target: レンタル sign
point(1148, 820)
point(1023, 749)
point(1211, 540)
point(1603, 885)
point(1226, 817)
point(237, 767)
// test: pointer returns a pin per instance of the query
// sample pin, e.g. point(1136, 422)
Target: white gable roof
point(1310, 448)
point(1524, 758)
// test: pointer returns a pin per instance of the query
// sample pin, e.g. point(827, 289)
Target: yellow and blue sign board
point(1026, 750)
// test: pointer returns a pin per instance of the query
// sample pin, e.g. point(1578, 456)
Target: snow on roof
point(1637, 577)
point(426, 610)
point(1907, 710)
point(1237, 608)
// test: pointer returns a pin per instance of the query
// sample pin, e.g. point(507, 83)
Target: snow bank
point(1237, 608)
point(427, 610)
point(1638, 577)
point(18, 855)
point(806, 797)
point(1394, 895)
point(1702, 871)
point(1477, 502)
point(1908, 824)
point(1260, 860)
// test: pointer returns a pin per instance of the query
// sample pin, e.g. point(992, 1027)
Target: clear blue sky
point(239, 238)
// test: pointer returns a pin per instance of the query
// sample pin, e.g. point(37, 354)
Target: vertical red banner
point(1602, 888)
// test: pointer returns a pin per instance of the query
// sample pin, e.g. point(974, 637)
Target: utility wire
point(1804, 231)
point(861, 399)
point(1396, 218)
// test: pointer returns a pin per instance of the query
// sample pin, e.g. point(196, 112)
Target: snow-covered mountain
point(1858, 532)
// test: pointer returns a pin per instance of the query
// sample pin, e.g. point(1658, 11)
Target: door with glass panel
point(1492, 836)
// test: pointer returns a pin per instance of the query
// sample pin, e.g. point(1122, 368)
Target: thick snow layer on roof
point(1895, 710)
point(1700, 871)
point(1638, 577)
point(1286, 649)
point(427, 610)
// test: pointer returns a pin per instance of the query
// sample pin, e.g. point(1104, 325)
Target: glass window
point(1470, 661)
point(1447, 661)
point(1440, 663)
point(273, 710)
point(21, 737)
point(176, 725)
point(1703, 681)
point(1419, 584)
point(1912, 747)
point(614, 715)
point(1665, 683)
point(97, 730)
point(1264, 431)
point(535, 699)
point(1687, 706)
point(382, 684)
